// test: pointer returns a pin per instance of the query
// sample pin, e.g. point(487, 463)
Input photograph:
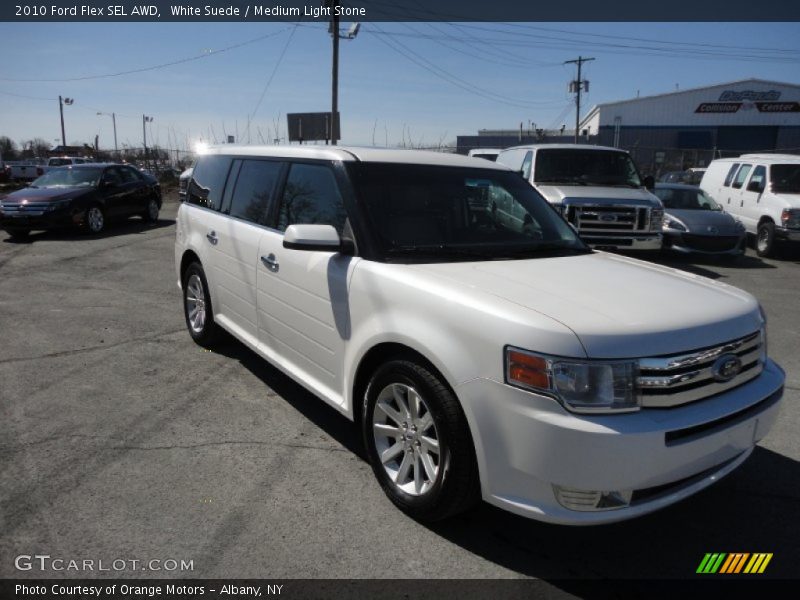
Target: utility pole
point(576, 87)
point(334, 70)
point(331, 5)
point(61, 103)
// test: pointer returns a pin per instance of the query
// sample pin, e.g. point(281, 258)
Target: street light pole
point(145, 120)
point(61, 103)
point(114, 121)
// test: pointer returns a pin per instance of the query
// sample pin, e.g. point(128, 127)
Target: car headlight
point(674, 224)
point(58, 204)
point(656, 219)
point(580, 386)
point(790, 218)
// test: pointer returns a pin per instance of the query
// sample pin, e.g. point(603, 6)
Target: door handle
point(212, 237)
point(271, 263)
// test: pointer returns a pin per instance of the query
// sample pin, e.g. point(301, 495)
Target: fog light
point(591, 500)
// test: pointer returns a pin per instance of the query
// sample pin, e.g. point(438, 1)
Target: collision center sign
point(732, 101)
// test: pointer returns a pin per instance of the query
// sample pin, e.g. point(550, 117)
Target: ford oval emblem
point(726, 367)
point(608, 218)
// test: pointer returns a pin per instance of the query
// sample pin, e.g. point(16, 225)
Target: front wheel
point(94, 220)
point(418, 442)
point(765, 238)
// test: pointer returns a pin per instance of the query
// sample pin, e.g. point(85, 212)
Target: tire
point(197, 310)
point(94, 220)
point(18, 234)
point(150, 214)
point(765, 238)
point(428, 469)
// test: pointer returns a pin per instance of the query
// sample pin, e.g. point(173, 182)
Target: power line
point(414, 57)
point(272, 75)
point(28, 97)
point(205, 54)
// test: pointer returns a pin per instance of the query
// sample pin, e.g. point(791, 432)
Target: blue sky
point(422, 83)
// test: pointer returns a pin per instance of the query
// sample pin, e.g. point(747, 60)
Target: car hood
point(618, 307)
point(555, 194)
point(46, 194)
point(698, 221)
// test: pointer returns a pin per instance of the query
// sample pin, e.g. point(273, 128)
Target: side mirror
point(316, 238)
point(650, 183)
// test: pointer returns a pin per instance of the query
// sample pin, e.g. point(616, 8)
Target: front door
point(303, 307)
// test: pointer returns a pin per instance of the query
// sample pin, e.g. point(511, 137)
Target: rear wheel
point(765, 238)
point(150, 213)
point(197, 307)
point(418, 442)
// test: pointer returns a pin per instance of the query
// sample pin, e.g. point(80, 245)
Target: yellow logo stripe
point(764, 564)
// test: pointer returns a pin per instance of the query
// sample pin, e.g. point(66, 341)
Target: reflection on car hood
point(617, 306)
point(699, 221)
point(555, 194)
point(47, 194)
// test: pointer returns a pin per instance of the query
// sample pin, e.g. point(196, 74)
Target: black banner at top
point(388, 10)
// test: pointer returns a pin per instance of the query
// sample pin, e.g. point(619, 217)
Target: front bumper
point(626, 242)
point(527, 443)
point(705, 244)
point(782, 233)
point(61, 217)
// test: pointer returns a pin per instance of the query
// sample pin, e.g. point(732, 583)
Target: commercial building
point(690, 127)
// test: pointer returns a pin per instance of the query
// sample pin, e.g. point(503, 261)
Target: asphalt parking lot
point(122, 439)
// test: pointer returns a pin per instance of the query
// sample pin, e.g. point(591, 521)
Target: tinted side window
point(129, 175)
point(741, 176)
point(111, 177)
point(254, 189)
point(526, 165)
point(311, 196)
point(731, 173)
point(758, 179)
point(208, 179)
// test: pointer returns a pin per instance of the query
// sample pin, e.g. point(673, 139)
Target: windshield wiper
point(570, 181)
point(441, 250)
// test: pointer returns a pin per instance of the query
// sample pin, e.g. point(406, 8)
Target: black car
point(693, 222)
point(86, 196)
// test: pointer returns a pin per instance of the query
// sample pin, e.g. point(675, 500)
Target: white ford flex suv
point(481, 358)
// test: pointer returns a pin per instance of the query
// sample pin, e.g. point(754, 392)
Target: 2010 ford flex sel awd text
point(489, 359)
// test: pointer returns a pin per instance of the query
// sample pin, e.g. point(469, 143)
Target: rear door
point(245, 208)
point(303, 310)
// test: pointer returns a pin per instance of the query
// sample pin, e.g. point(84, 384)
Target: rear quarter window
point(731, 173)
point(208, 181)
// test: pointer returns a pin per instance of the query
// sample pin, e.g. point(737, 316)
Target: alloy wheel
point(406, 439)
point(195, 303)
point(94, 219)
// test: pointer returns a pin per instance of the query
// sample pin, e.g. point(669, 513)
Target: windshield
point(586, 167)
point(67, 177)
point(686, 199)
point(434, 213)
point(785, 178)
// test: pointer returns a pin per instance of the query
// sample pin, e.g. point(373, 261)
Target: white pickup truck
point(597, 189)
point(31, 169)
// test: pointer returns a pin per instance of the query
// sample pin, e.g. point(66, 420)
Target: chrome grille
point(679, 379)
point(27, 209)
point(608, 218)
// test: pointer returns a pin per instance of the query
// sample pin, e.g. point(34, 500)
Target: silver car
point(693, 222)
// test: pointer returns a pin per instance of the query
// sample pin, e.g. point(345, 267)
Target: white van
point(762, 191)
point(597, 189)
